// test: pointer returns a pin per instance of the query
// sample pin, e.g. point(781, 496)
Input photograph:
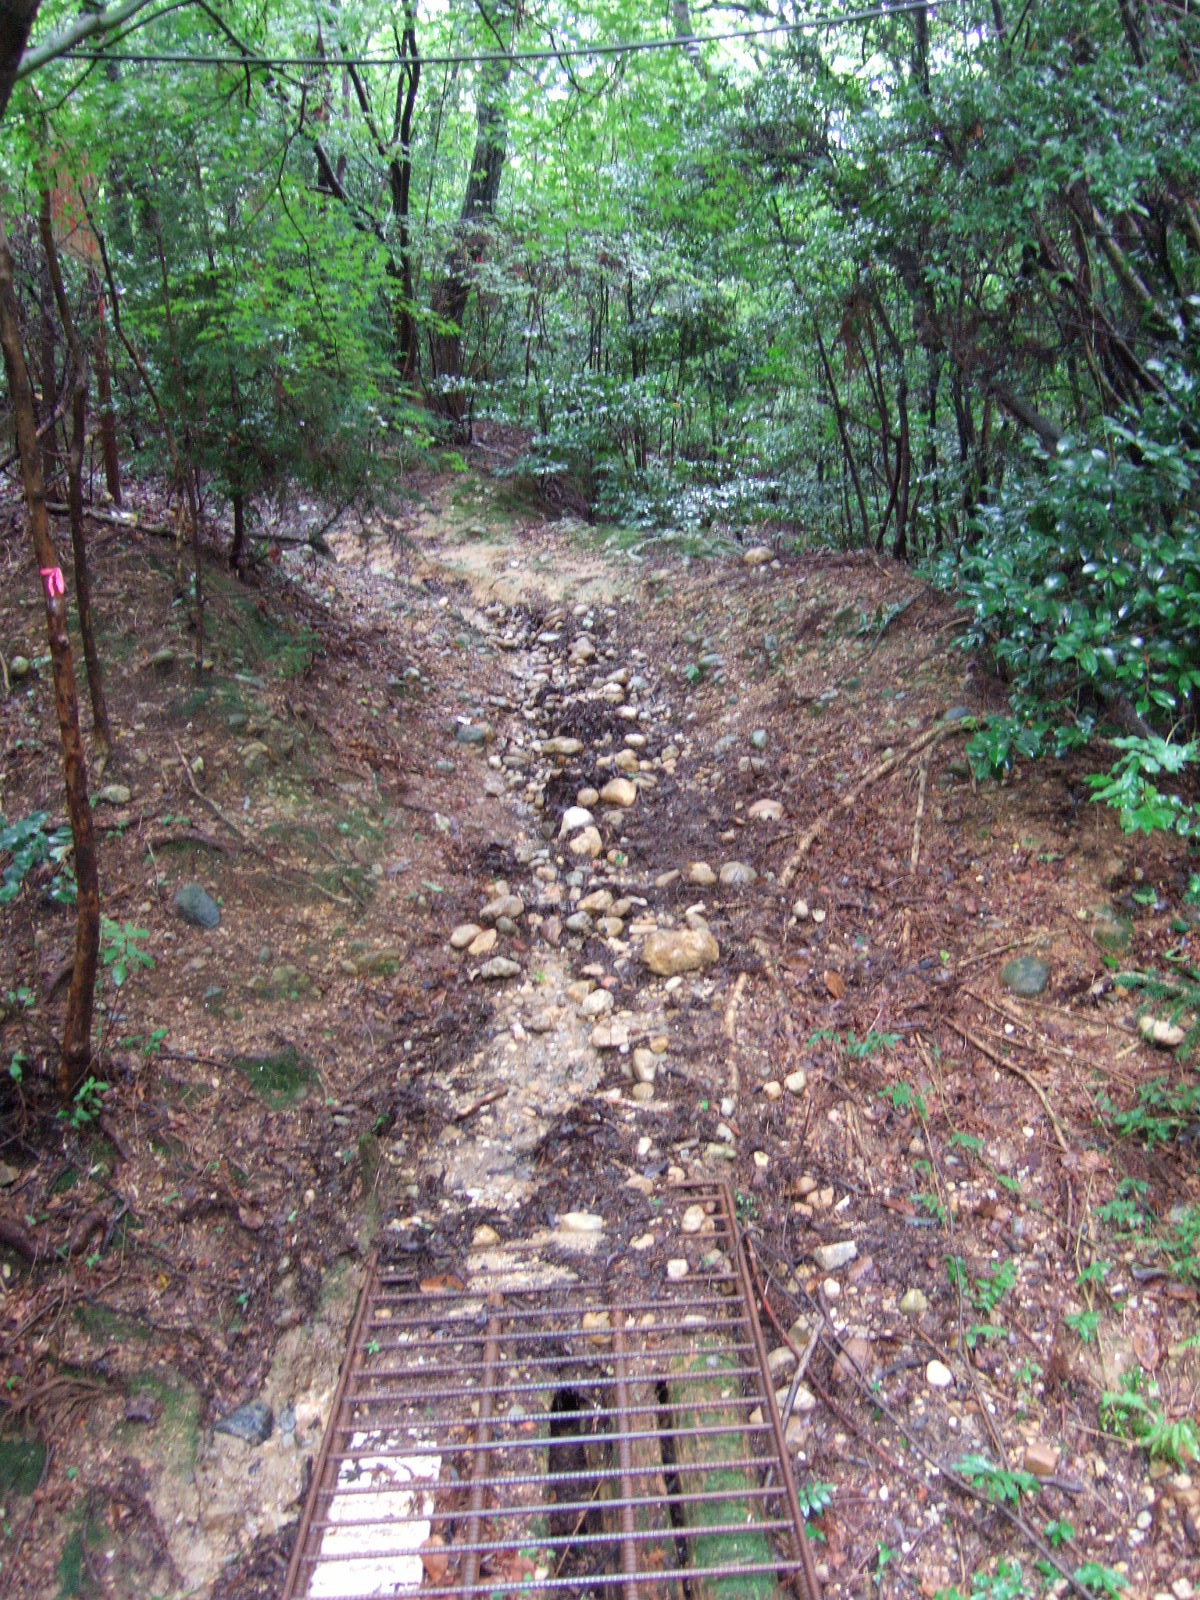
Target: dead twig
point(221, 816)
point(964, 1486)
point(998, 950)
point(730, 1026)
point(1019, 1072)
point(488, 1099)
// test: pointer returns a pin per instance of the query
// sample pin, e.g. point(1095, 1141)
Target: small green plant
point(968, 1142)
point(1101, 1579)
point(872, 1043)
point(986, 1291)
point(1125, 1211)
point(1133, 1412)
point(1177, 1442)
point(1084, 1323)
point(884, 1556)
point(931, 1205)
point(27, 844)
point(1163, 1112)
point(815, 1498)
point(1182, 1245)
point(998, 1483)
point(1059, 1532)
point(1006, 1583)
point(904, 1098)
point(1094, 1272)
point(1129, 786)
point(149, 1044)
point(120, 952)
point(87, 1104)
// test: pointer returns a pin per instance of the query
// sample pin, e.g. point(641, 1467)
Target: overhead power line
point(622, 47)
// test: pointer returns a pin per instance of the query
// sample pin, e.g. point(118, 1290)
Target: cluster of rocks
point(582, 885)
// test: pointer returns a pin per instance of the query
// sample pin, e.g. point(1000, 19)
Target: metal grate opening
point(575, 1440)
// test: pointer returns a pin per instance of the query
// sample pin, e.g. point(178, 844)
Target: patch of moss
point(175, 1436)
point(280, 1080)
point(74, 1577)
point(110, 1326)
point(22, 1462)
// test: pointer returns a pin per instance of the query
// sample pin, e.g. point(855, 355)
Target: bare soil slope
point(384, 749)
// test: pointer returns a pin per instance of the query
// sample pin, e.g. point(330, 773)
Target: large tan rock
point(619, 792)
point(680, 950)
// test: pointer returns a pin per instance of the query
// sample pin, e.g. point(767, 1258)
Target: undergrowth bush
point(1084, 585)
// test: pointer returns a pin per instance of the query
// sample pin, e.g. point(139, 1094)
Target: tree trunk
point(237, 549)
point(108, 418)
point(843, 432)
point(79, 386)
point(76, 1053)
point(447, 377)
point(16, 19)
point(49, 375)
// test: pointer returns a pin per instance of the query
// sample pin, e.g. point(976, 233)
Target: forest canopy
point(916, 277)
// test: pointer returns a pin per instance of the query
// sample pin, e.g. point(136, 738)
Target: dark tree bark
point(903, 473)
point(104, 394)
point(450, 302)
point(75, 446)
point(48, 361)
point(16, 19)
point(76, 1054)
point(843, 431)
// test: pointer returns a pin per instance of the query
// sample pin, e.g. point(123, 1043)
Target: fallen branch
point(159, 841)
point(922, 780)
point(125, 519)
point(1019, 1072)
point(996, 950)
point(881, 769)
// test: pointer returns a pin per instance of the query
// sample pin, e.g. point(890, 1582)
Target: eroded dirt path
point(518, 762)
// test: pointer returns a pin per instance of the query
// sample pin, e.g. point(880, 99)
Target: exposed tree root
point(881, 769)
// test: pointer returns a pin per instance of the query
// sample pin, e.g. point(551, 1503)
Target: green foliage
point(1125, 1210)
point(1083, 582)
point(27, 845)
point(985, 1292)
point(1006, 1583)
point(815, 1498)
point(1133, 1412)
point(1164, 1112)
point(87, 1104)
point(120, 950)
point(996, 1482)
point(1085, 1324)
point(904, 1098)
point(1103, 1580)
point(1173, 996)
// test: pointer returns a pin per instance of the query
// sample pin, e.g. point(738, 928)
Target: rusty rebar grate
point(575, 1440)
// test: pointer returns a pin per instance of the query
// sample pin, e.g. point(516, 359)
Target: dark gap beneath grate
point(569, 1438)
